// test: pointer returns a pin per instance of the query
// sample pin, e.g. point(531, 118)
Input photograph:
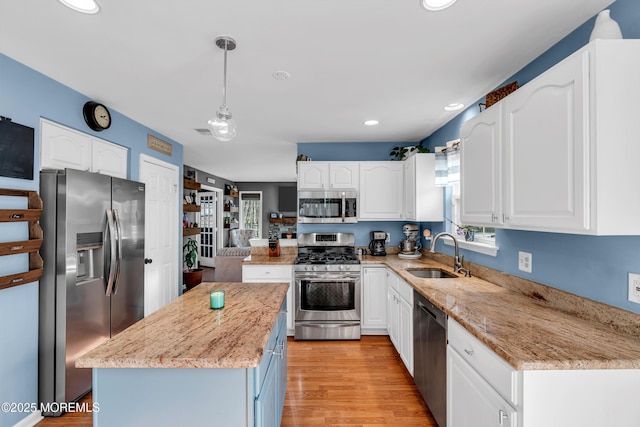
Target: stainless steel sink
point(432, 273)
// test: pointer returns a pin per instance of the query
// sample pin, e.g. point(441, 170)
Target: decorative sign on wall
point(159, 145)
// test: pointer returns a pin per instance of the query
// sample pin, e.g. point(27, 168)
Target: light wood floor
point(336, 383)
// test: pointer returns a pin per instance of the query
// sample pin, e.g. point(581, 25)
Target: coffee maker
point(376, 245)
point(410, 247)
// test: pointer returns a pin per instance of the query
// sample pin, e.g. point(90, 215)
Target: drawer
point(406, 291)
point(498, 373)
point(393, 279)
point(267, 273)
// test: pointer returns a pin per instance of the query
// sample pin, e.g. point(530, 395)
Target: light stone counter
point(267, 260)
point(188, 334)
point(531, 326)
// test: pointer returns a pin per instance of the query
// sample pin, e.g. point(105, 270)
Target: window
point(480, 234)
point(448, 174)
point(251, 211)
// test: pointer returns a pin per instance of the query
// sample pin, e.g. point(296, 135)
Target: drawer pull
point(502, 416)
point(469, 352)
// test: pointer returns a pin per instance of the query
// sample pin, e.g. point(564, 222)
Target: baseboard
point(30, 421)
point(374, 331)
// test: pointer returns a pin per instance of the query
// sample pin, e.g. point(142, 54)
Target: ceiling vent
point(203, 131)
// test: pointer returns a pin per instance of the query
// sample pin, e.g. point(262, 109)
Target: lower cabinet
point(374, 300)
point(471, 400)
point(269, 402)
point(400, 318)
point(255, 273)
point(483, 390)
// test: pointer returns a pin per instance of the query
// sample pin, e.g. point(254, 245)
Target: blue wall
point(25, 96)
point(593, 267)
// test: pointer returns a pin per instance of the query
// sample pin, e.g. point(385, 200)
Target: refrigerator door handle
point(110, 229)
point(116, 220)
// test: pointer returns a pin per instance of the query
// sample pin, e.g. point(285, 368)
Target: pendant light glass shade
point(222, 126)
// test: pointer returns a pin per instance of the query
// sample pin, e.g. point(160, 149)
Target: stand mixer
point(410, 246)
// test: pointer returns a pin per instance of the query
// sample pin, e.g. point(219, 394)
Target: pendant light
point(223, 127)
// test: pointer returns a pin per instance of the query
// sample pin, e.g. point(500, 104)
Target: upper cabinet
point(558, 154)
point(381, 190)
point(423, 201)
point(62, 147)
point(328, 175)
point(481, 166)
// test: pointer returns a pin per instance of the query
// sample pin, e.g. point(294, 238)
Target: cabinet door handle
point(469, 352)
point(502, 416)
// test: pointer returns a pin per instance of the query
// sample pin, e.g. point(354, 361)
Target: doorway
point(211, 224)
point(251, 211)
point(162, 217)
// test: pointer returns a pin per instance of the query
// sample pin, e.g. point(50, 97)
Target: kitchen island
point(145, 376)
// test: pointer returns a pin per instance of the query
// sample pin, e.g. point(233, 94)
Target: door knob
point(148, 260)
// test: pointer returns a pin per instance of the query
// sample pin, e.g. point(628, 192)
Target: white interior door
point(209, 239)
point(161, 281)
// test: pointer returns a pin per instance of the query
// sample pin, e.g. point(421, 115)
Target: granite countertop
point(188, 334)
point(267, 260)
point(529, 333)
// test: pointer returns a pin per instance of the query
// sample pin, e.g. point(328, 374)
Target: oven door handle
point(328, 278)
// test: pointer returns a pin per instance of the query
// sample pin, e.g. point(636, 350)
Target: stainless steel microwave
point(328, 206)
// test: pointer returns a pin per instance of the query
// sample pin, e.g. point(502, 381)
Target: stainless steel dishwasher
point(430, 356)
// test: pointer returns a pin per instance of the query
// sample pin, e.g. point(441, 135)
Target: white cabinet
point(108, 158)
point(545, 165)
point(381, 190)
point(400, 318)
point(483, 390)
point(423, 201)
point(255, 273)
point(374, 300)
point(567, 140)
point(328, 175)
point(481, 166)
point(62, 147)
point(471, 400)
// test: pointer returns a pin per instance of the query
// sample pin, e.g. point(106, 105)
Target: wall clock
point(96, 115)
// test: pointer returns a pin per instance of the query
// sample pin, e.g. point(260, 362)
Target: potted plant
point(401, 153)
point(191, 276)
point(467, 231)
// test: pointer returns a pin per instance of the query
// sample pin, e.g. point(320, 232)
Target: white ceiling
point(350, 60)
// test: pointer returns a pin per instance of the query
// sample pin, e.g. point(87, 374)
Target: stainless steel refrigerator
point(92, 286)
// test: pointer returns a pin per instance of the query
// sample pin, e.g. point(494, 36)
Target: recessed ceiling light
point(281, 75)
point(82, 6)
point(371, 122)
point(437, 4)
point(453, 107)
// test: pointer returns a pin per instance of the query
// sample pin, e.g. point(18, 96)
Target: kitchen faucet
point(457, 260)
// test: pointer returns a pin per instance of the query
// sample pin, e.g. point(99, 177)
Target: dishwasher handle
point(430, 309)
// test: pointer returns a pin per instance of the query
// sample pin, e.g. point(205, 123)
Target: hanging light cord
point(224, 79)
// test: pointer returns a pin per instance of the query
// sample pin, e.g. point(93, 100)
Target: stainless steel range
point(327, 277)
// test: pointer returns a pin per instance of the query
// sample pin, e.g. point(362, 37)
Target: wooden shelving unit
point(191, 231)
point(189, 184)
point(188, 207)
point(32, 246)
point(283, 220)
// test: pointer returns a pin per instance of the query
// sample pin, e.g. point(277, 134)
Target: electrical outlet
point(634, 287)
point(525, 261)
point(388, 238)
